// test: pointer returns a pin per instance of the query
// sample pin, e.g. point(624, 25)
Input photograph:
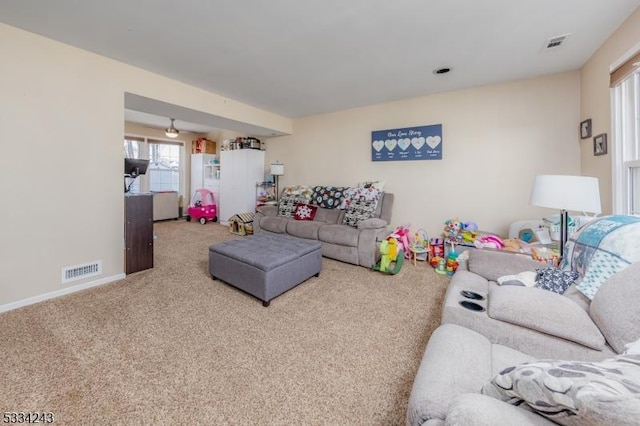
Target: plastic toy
point(203, 207)
point(489, 241)
point(452, 229)
point(392, 257)
point(437, 247)
point(402, 234)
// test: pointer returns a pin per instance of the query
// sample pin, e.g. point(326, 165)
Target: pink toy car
point(203, 207)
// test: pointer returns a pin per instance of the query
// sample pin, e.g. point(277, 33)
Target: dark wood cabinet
point(138, 232)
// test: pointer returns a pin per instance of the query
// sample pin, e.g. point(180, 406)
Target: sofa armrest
point(546, 312)
point(494, 264)
point(479, 410)
point(372, 223)
point(267, 210)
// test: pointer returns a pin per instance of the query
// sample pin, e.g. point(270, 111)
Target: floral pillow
point(329, 197)
point(359, 194)
point(377, 184)
point(305, 212)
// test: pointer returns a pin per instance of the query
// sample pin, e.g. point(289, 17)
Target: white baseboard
point(68, 290)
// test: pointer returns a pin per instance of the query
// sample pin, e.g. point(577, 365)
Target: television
point(134, 167)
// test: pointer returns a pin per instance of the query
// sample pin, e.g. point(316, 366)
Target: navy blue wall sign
point(409, 143)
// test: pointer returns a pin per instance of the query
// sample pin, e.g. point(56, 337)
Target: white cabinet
point(205, 173)
point(240, 171)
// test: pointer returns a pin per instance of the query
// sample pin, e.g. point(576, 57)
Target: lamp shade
point(277, 169)
point(171, 131)
point(575, 193)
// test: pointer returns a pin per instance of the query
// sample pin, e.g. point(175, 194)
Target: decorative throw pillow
point(302, 190)
point(358, 211)
point(554, 279)
point(305, 212)
point(329, 197)
point(355, 194)
point(601, 248)
point(377, 184)
point(287, 204)
point(572, 392)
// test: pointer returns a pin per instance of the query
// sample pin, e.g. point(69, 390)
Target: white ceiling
point(302, 57)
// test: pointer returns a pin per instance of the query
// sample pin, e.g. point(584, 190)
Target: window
point(165, 164)
point(625, 82)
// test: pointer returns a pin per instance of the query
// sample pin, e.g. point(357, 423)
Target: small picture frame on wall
point(585, 129)
point(600, 144)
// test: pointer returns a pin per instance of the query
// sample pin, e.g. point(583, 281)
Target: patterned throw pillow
point(329, 197)
point(554, 279)
point(287, 204)
point(377, 184)
point(601, 248)
point(305, 212)
point(358, 211)
point(573, 392)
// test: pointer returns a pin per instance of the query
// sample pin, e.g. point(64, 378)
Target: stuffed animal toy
point(390, 253)
point(452, 228)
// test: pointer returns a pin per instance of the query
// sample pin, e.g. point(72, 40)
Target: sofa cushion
point(339, 234)
point(545, 312)
point(305, 212)
point(601, 248)
point(492, 265)
point(304, 229)
point(329, 197)
point(327, 215)
point(276, 224)
point(478, 410)
point(615, 307)
point(573, 392)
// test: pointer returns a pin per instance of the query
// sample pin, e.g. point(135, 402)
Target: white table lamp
point(575, 193)
point(277, 169)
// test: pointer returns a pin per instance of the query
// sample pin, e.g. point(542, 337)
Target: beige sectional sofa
point(473, 371)
point(358, 244)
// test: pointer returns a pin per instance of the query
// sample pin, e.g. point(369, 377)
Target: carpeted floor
point(171, 346)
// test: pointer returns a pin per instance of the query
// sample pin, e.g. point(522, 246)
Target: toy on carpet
point(402, 235)
point(452, 263)
point(392, 257)
point(436, 246)
point(420, 245)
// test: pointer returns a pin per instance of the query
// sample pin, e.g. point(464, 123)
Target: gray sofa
point(356, 245)
point(522, 325)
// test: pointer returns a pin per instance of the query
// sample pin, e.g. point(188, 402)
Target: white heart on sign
point(417, 142)
point(404, 143)
point(377, 145)
point(390, 144)
point(433, 141)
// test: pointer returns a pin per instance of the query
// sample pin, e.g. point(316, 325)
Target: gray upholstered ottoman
point(265, 265)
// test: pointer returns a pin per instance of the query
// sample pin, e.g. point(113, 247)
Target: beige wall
point(496, 139)
point(595, 102)
point(62, 115)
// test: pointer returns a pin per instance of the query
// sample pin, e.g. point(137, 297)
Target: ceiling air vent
point(555, 42)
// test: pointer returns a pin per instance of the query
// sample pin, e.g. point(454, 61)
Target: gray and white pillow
point(358, 211)
point(572, 392)
point(555, 279)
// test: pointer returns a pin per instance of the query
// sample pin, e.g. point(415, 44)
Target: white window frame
point(144, 153)
point(625, 112)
